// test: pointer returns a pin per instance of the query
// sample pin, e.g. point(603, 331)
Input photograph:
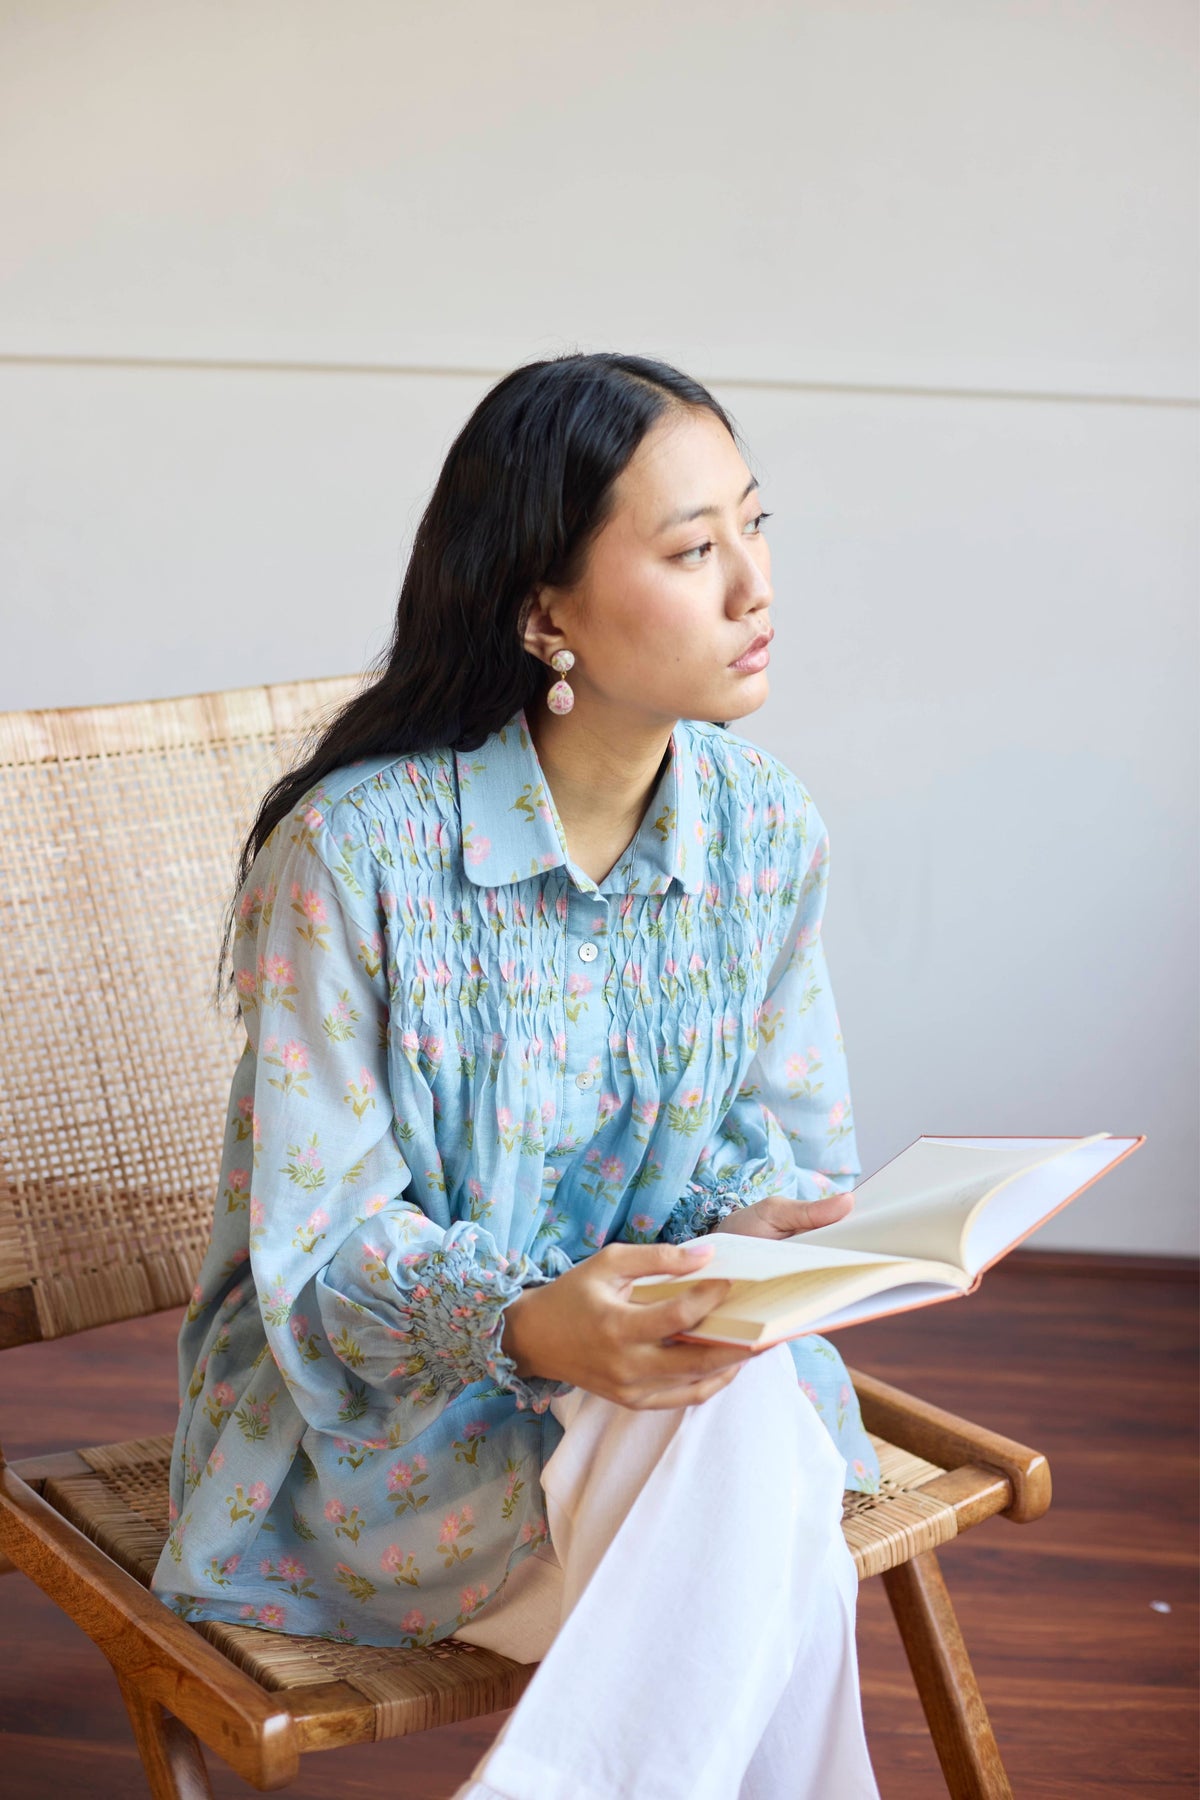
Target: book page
point(754, 1310)
point(867, 1306)
point(898, 1299)
point(921, 1204)
point(738, 1258)
point(1036, 1146)
point(1025, 1202)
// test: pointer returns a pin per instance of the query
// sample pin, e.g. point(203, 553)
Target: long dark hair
point(525, 487)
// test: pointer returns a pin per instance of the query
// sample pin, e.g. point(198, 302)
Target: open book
point(923, 1229)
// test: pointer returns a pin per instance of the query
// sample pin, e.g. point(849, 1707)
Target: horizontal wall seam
point(765, 384)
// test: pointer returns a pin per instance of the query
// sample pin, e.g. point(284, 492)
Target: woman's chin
point(748, 694)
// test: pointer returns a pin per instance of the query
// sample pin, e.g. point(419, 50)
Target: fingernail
point(697, 1247)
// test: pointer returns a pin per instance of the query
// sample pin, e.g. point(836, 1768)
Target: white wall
point(940, 260)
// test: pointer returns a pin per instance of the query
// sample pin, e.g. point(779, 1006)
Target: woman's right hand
point(583, 1328)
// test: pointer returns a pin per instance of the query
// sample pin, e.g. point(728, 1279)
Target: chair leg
point(171, 1755)
point(937, 1655)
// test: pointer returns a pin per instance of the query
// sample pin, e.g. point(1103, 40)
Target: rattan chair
point(120, 829)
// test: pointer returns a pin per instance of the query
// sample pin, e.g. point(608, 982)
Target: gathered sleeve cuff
point(424, 1324)
point(703, 1206)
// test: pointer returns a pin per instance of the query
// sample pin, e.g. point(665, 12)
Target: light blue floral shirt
point(467, 1067)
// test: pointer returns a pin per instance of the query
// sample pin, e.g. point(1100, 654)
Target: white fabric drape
point(694, 1621)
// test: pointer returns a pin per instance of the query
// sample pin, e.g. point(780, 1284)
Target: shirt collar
point(511, 830)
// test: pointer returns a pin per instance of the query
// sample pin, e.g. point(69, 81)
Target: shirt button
point(584, 1081)
point(588, 953)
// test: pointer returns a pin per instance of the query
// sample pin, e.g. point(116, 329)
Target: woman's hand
point(779, 1217)
point(583, 1328)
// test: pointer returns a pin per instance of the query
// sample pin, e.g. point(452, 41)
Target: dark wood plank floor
point(1083, 1626)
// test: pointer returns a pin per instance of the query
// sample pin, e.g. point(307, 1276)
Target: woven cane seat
point(116, 1494)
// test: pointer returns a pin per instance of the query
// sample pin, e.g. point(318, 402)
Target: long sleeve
point(790, 1128)
point(376, 1312)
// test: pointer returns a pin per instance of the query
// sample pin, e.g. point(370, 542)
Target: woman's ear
point(539, 634)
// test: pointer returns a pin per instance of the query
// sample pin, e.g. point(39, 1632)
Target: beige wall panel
point(984, 672)
point(944, 193)
point(986, 675)
point(177, 530)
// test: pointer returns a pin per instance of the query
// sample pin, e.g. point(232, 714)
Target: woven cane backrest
point(121, 826)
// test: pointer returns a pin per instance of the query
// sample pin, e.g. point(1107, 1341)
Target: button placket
point(585, 1026)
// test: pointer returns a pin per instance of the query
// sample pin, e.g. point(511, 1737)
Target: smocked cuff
point(702, 1209)
point(454, 1319)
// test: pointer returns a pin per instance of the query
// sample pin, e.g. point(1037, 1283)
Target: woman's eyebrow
point(699, 512)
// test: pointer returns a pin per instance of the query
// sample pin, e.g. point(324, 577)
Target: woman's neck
point(601, 786)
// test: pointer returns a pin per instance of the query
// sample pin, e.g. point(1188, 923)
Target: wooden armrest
point(146, 1643)
point(943, 1438)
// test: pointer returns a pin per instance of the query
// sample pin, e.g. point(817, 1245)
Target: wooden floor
point(1082, 1626)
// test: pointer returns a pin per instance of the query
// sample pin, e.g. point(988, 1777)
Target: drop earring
point(561, 697)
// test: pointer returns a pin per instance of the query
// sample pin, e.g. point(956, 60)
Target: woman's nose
point(750, 584)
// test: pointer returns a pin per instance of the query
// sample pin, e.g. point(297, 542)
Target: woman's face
point(677, 585)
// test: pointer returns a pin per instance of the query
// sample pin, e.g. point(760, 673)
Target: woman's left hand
point(779, 1217)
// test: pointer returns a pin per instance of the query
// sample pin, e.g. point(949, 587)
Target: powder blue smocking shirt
point(467, 1067)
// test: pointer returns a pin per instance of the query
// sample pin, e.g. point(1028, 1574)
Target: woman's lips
point(756, 657)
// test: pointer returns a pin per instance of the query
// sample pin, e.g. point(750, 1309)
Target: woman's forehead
point(685, 462)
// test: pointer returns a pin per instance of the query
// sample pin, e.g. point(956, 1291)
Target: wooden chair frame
point(187, 1686)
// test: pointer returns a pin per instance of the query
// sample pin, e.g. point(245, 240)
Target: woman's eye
point(699, 551)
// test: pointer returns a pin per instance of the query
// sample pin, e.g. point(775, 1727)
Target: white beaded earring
point(561, 697)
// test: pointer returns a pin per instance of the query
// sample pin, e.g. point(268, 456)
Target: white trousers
point(694, 1620)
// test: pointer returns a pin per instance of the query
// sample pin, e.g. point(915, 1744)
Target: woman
point(530, 967)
